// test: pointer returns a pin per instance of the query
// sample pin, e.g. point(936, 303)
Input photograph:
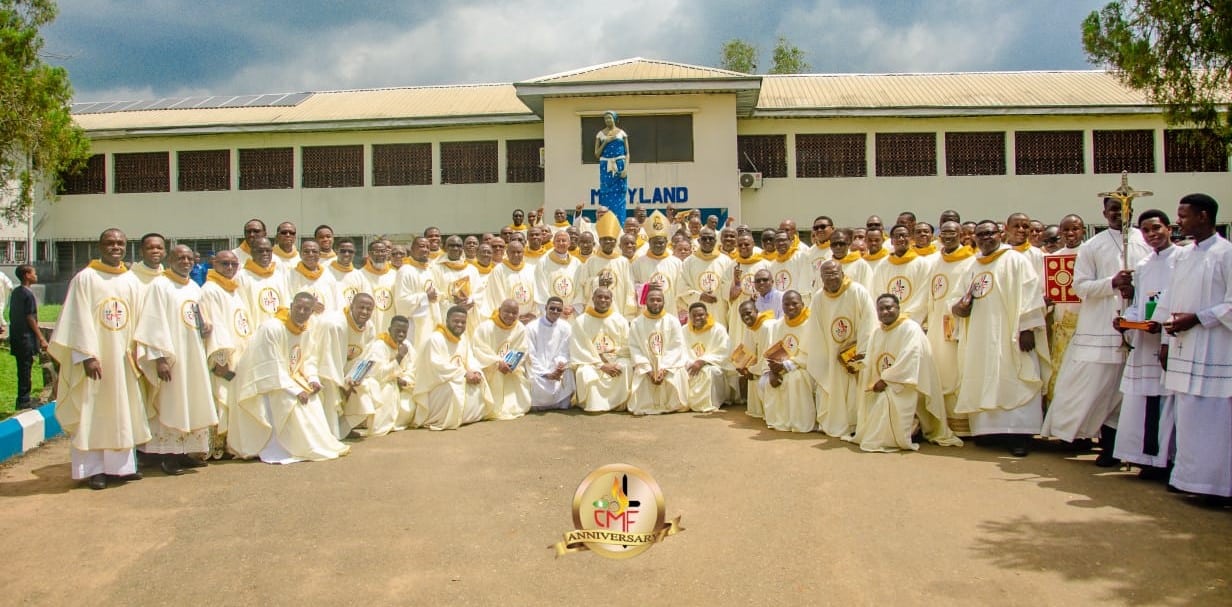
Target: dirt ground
point(466, 518)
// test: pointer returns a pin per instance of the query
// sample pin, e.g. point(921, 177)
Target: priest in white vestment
point(905, 275)
point(551, 379)
point(263, 285)
point(1199, 353)
point(309, 276)
point(753, 338)
point(747, 264)
point(842, 319)
point(380, 280)
point(945, 285)
point(336, 340)
point(903, 386)
point(416, 295)
point(450, 390)
point(656, 346)
point(514, 279)
point(1148, 419)
point(99, 402)
point(854, 266)
point(285, 253)
point(348, 280)
point(276, 416)
point(1087, 397)
point(706, 277)
point(708, 351)
point(1063, 316)
point(231, 328)
point(658, 266)
point(609, 269)
point(785, 386)
point(1002, 352)
point(789, 265)
point(459, 282)
point(375, 395)
point(556, 275)
point(170, 339)
point(492, 342)
point(875, 256)
point(819, 252)
point(599, 355)
point(153, 250)
point(253, 229)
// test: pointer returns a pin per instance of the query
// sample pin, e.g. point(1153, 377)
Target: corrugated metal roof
point(959, 90)
point(638, 68)
point(484, 100)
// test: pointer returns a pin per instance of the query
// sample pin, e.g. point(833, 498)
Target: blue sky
point(143, 49)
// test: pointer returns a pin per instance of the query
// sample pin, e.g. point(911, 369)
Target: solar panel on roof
point(182, 103)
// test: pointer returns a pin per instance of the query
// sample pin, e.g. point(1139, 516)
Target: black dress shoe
point(1019, 451)
point(97, 482)
point(1106, 459)
point(136, 476)
point(188, 461)
point(170, 467)
point(1151, 473)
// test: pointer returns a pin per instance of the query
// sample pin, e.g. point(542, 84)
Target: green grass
point(8, 367)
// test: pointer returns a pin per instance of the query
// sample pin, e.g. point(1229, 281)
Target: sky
point(147, 49)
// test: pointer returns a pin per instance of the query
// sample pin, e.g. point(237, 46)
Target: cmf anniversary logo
point(618, 513)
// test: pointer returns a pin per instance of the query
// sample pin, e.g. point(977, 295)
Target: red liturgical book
point(1059, 278)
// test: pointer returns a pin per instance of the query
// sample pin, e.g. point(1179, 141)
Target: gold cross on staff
point(1125, 195)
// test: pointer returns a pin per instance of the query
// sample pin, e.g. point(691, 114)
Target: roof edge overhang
point(956, 112)
point(747, 90)
point(304, 127)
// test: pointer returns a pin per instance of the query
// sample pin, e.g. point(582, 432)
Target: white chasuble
point(657, 344)
point(598, 340)
point(97, 321)
point(840, 322)
point(490, 343)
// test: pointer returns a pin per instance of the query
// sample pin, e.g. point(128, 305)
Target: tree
point(788, 58)
point(38, 139)
point(1178, 52)
point(739, 56)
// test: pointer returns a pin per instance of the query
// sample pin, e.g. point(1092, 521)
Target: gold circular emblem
point(188, 314)
point(941, 286)
point(840, 329)
point(655, 342)
point(622, 500)
point(885, 361)
point(708, 281)
point(353, 350)
point(243, 328)
point(269, 300)
point(900, 287)
point(113, 314)
point(562, 287)
point(699, 349)
point(349, 293)
point(782, 280)
point(383, 298)
point(982, 285)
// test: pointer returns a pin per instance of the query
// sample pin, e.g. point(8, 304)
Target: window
point(766, 154)
point(1132, 151)
point(831, 155)
point(333, 166)
point(906, 154)
point(1194, 151)
point(19, 251)
point(1048, 153)
point(267, 169)
point(522, 161)
point(142, 172)
point(469, 162)
point(91, 179)
point(975, 154)
point(402, 164)
point(666, 138)
point(204, 171)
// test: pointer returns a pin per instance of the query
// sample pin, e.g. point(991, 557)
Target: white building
point(393, 161)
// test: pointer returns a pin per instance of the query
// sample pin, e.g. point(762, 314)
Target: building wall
point(569, 181)
point(364, 210)
point(850, 200)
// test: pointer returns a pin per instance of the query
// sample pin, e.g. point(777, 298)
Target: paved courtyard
point(466, 517)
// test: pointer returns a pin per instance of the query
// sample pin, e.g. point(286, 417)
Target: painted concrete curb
point(27, 430)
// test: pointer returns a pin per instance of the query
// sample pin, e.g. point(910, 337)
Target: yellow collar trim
point(750, 260)
point(590, 310)
point(959, 254)
point(841, 288)
point(517, 268)
point(647, 313)
point(500, 323)
point(560, 224)
point(449, 336)
point(706, 327)
point(987, 259)
point(562, 260)
point(278, 251)
point(483, 270)
point(252, 266)
point(713, 255)
point(761, 319)
point(1022, 248)
point(456, 266)
point(342, 268)
point(882, 254)
point(799, 319)
point(850, 257)
point(894, 325)
point(928, 250)
point(106, 269)
point(389, 340)
point(176, 278)
point(309, 274)
point(907, 257)
point(651, 254)
point(410, 261)
point(284, 314)
point(371, 269)
point(227, 284)
point(346, 311)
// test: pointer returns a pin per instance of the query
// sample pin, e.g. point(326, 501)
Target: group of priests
point(874, 336)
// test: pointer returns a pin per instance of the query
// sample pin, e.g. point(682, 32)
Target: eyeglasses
point(253, 230)
point(227, 264)
point(556, 309)
point(706, 238)
point(287, 232)
point(763, 279)
point(821, 226)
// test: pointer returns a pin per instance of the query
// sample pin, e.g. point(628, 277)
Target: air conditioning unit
point(750, 180)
